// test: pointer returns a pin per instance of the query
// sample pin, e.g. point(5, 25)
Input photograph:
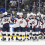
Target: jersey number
point(6, 20)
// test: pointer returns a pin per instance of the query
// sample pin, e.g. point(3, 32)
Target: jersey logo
point(33, 22)
point(21, 22)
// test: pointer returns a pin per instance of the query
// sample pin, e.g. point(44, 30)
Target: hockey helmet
point(5, 13)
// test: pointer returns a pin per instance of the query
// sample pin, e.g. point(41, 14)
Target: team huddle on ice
point(30, 27)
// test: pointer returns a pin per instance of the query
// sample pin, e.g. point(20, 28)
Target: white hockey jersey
point(40, 23)
point(29, 22)
point(22, 22)
point(6, 20)
point(34, 22)
point(16, 23)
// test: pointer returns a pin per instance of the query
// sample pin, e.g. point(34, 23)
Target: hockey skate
point(30, 38)
point(3, 39)
point(18, 39)
point(24, 39)
point(8, 39)
point(44, 37)
point(34, 39)
point(40, 37)
point(12, 38)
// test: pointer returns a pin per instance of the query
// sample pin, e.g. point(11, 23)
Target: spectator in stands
point(27, 8)
point(31, 6)
point(13, 4)
point(22, 6)
point(34, 7)
point(0, 4)
point(17, 3)
point(41, 4)
point(2, 9)
point(7, 4)
point(44, 7)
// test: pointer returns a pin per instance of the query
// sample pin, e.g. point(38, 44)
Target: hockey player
point(37, 29)
point(22, 23)
point(43, 25)
point(40, 24)
point(29, 29)
point(5, 22)
point(34, 27)
point(38, 17)
point(29, 26)
point(16, 27)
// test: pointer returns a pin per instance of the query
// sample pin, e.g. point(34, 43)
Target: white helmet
point(18, 13)
point(34, 14)
point(5, 13)
point(21, 13)
point(31, 13)
point(38, 13)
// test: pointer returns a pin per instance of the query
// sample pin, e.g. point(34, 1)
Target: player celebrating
point(16, 27)
point(43, 25)
point(34, 27)
point(5, 22)
point(22, 23)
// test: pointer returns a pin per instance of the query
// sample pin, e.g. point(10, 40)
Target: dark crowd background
point(22, 5)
